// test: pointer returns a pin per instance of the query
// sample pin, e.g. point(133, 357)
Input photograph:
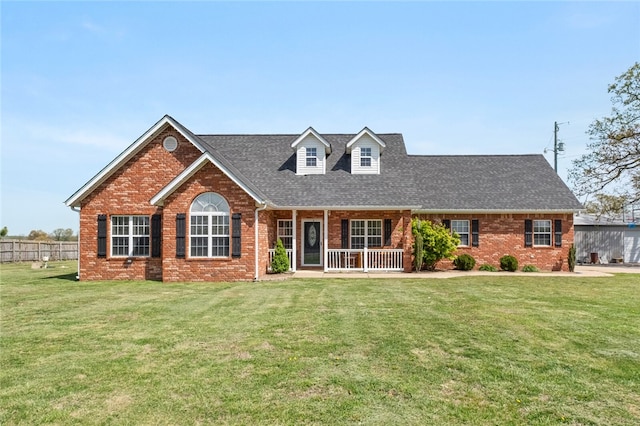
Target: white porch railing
point(344, 260)
point(365, 260)
point(357, 259)
point(289, 255)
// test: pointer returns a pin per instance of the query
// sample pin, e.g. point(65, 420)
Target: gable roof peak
point(312, 132)
point(213, 155)
point(368, 132)
point(221, 163)
point(129, 152)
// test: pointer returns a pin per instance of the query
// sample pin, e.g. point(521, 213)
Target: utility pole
point(557, 146)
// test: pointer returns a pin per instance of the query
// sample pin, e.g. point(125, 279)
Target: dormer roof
point(311, 131)
point(365, 132)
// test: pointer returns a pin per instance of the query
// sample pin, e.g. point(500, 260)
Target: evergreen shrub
point(508, 263)
point(418, 252)
point(280, 262)
point(488, 268)
point(572, 258)
point(464, 262)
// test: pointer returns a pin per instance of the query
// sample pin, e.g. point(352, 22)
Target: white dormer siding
point(365, 149)
point(310, 157)
point(311, 153)
point(365, 157)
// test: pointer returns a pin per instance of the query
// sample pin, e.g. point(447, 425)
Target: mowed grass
point(472, 350)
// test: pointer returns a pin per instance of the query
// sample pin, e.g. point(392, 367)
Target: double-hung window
point(209, 229)
point(461, 227)
point(542, 233)
point(285, 233)
point(366, 231)
point(130, 236)
point(365, 157)
point(312, 157)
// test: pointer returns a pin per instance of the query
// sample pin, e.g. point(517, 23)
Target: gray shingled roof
point(491, 182)
point(442, 183)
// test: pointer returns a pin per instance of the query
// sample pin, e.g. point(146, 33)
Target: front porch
point(357, 260)
point(341, 240)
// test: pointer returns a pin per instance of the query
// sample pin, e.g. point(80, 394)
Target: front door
point(311, 246)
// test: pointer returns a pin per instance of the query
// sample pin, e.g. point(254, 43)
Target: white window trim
point(366, 232)
point(369, 157)
point(534, 233)
point(209, 235)
point(130, 236)
point(280, 233)
point(468, 233)
point(313, 157)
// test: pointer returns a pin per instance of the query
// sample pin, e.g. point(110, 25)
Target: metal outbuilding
point(605, 240)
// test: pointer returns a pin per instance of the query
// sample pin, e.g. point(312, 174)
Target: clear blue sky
point(81, 81)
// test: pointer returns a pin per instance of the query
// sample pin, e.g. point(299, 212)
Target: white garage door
point(632, 246)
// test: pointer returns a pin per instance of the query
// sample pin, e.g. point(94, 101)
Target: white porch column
point(365, 258)
point(294, 244)
point(325, 248)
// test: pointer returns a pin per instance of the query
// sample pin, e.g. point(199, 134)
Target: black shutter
point(528, 233)
point(387, 232)
point(102, 235)
point(446, 223)
point(557, 228)
point(475, 233)
point(156, 235)
point(181, 232)
point(344, 235)
point(236, 232)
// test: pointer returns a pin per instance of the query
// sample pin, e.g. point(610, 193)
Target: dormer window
point(365, 150)
point(311, 153)
point(365, 157)
point(312, 157)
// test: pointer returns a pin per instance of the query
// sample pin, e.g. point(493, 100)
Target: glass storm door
point(311, 254)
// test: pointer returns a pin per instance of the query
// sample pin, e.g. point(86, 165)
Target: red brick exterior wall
point(502, 234)
point(265, 218)
point(208, 179)
point(129, 191)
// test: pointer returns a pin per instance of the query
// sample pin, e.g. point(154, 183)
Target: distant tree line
point(59, 234)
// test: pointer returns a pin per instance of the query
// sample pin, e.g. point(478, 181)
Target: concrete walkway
point(581, 271)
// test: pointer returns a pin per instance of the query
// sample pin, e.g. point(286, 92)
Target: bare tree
point(612, 166)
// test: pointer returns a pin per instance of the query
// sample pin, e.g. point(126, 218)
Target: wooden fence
point(34, 251)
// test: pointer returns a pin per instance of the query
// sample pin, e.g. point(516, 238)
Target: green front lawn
point(472, 350)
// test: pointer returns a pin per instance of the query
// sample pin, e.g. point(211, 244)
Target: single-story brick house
point(175, 206)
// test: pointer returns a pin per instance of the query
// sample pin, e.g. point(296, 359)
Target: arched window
point(209, 234)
